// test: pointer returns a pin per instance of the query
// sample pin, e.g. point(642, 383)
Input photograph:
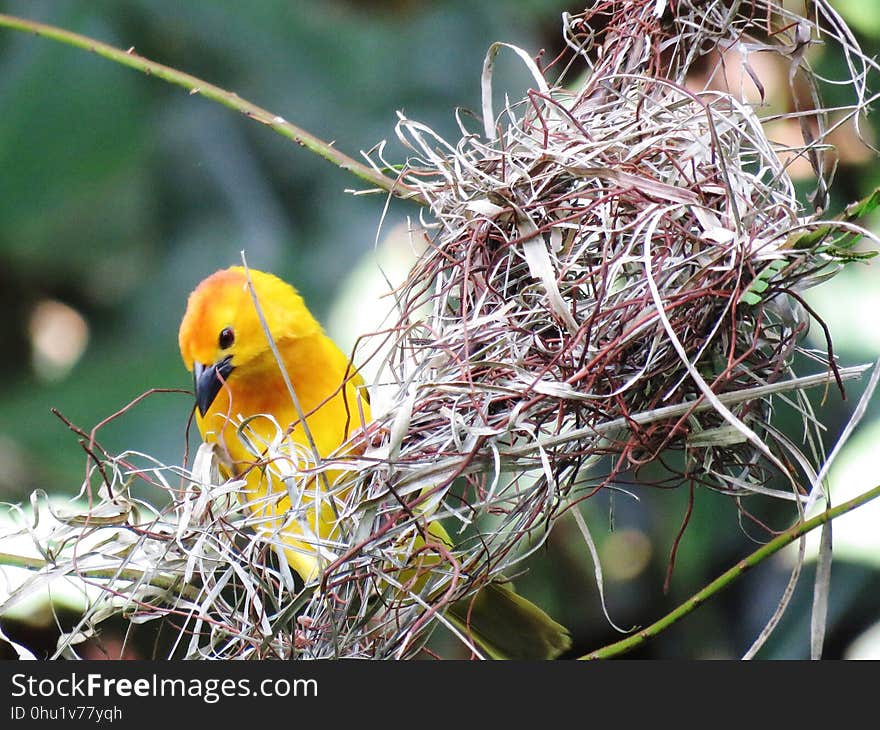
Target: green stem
point(724, 580)
point(129, 574)
point(197, 86)
point(20, 561)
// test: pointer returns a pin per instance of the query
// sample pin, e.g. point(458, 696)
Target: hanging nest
point(614, 274)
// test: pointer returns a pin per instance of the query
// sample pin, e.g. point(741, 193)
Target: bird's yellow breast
point(257, 426)
point(327, 389)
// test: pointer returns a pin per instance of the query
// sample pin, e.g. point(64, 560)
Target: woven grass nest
point(613, 275)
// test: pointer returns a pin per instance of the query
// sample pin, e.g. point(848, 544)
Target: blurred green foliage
point(119, 192)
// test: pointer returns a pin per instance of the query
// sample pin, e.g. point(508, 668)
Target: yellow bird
point(242, 394)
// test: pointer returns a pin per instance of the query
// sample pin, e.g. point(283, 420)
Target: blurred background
point(119, 192)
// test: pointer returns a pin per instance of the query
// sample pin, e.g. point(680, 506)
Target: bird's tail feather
point(507, 626)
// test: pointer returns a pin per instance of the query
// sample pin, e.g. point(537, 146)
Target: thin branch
point(229, 99)
point(134, 575)
point(724, 580)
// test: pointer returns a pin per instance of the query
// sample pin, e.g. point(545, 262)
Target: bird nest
point(614, 276)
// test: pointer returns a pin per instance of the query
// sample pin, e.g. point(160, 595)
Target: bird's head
point(221, 335)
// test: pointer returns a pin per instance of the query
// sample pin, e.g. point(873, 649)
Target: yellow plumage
point(241, 392)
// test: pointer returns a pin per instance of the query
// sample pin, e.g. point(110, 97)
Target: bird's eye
point(227, 337)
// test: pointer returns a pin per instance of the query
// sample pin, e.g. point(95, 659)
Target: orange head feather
point(221, 318)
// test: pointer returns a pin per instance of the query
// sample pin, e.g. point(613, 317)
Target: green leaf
point(759, 285)
point(852, 212)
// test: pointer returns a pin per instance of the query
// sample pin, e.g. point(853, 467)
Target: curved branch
point(229, 99)
point(728, 577)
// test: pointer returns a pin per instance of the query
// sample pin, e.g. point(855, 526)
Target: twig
point(110, 574)
point(729, 576)
point(217, 94)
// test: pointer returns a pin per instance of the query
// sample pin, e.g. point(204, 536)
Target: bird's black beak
point(208, 379)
